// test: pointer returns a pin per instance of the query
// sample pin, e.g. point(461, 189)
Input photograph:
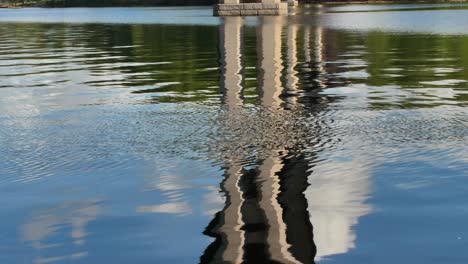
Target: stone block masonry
point(266, 8)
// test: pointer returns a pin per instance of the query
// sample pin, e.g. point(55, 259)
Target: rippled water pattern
point(129, 135)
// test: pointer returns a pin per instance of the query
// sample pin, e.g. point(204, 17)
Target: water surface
point(165, 135)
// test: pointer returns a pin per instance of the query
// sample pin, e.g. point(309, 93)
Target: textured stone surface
point(270, 6)
point(227, 12)
point(292, 2)
point(248, 12)
point(251, 9)
point(252, 6)
point(269, 12)
point(228, 7)
point(229, 2)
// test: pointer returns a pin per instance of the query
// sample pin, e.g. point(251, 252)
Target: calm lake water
point(166, 135)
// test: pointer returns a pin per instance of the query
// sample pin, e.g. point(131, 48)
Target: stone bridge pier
point(263, 8)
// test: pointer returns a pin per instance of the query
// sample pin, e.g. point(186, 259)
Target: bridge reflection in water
point(285, 207)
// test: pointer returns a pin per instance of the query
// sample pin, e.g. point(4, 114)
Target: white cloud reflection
point(336, 199)
point(46, 224)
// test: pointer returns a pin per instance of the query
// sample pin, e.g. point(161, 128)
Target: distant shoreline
point(76, 3)
point(103, 3)
point(393, 2)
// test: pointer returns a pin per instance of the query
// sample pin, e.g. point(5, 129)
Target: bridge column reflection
point(269, 44)
point(270, 62)
point(263, 220)
point(292, 80)
point(230, 245)
point(273, 205)
point(340, 184)
point(232, 79)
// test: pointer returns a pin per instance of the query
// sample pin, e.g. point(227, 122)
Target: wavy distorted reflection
point(281, 158)
point(252, 226)
point(275, 207)
point(46, 225)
